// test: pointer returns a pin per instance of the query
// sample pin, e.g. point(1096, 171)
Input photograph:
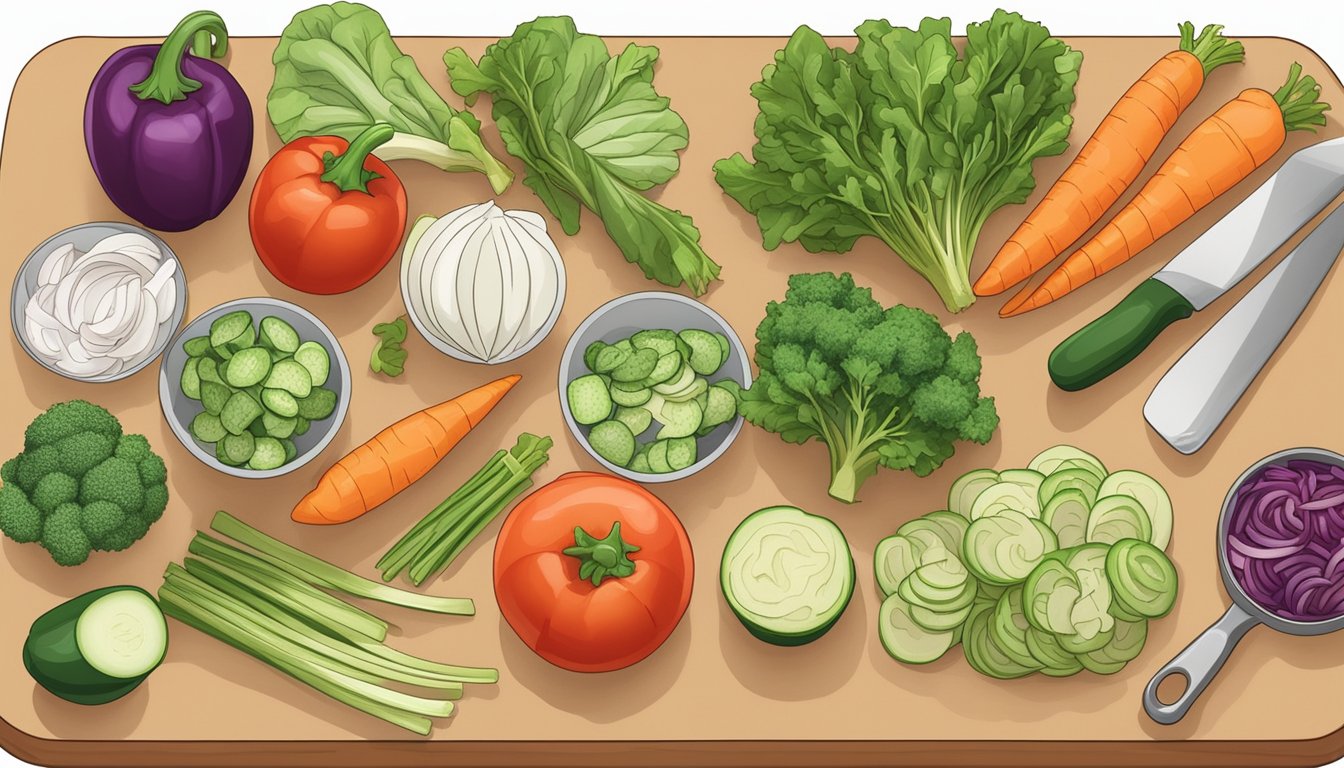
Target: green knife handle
point(1106, 344)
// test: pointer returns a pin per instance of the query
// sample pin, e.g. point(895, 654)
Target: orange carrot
point(396, 457)
point(1218, 154)
point(1110, 160)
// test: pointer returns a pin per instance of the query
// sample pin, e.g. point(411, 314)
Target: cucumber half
point(97, 647)
point(787, 575)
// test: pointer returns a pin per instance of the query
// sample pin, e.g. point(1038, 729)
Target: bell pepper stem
point(602, 558)
point(347, 170)
point(165, 82)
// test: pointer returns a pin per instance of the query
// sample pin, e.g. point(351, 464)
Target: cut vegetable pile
point(1054, 568)
point(273, 602)
point(259, 389)
point(648, 399)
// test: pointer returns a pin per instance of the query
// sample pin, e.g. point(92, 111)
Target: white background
point(1317, 23)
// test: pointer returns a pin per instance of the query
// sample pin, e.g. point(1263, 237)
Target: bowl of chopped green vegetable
point(649, 385)
point(255, 388)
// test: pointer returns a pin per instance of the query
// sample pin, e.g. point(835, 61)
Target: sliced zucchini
point(795, 605)
point(207, 428)
point(668, 366)
point(196, 346)
point(590, 354)
point(1151, 496)
point(629, 398)
point(983, 654)
point(289, 375)
point(640, 461)
point(280, 402)
point(1001, 497)
point(277, 426)
point(589, 399)
point(613, 441)
point(1046, 649)
point(658, 458)
point(1008, 627)
point(190, 380)
point(319, 404)
point(239, 412)
point(904, 639)
point(679, 419)
point(660, 340)
point(720, 406)
point(279, 335)
point(1074, 477)
point(1117, 517)
point(1004, 548)
point(706, 354)
point(208, 370)
point(681, 452)
point(229, 327)
point(609, 358)
point(267, 453)
point(248, 367)
point(682, 381)
point(238, 448)
point(1050, 460)
point(895, 558)
point(697, 388)
point(637, 419)
point(1142, 579)
point(1066, 513)
point(967, 488)
point(314, 357)
point(635, 367)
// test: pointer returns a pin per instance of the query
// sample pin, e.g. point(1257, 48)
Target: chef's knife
point(1194, 397)
point(1222, 256)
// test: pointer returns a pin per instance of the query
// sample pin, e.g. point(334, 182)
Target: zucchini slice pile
point(648, 399)
point(1055, 568)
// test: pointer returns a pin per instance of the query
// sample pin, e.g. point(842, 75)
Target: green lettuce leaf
point(903, 139)
point(338, 71)
point(593, 133)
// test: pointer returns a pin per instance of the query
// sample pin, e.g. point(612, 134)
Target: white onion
point(98, 313)
point(483, 282)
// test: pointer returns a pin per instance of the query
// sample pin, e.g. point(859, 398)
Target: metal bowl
point(179, 409)
point(619, 319)
point(83, 237)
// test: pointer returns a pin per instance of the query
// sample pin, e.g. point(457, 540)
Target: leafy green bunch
point(593, 134)
point(80, 484)
point(880, 387)
point(903, 139)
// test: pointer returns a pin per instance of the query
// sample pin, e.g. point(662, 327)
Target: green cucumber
point(190, 381)
point(680, 419)
point(629, 398)
point(290, 376)
point(635, 367)
point(97, 647)
point(1066, 513)
point(668, 366)
point(706, 354)
point(780, 606)
point(207, 428)
point(279, 335)
point(238, 413)
point(314, 357)
point(248, 367)
point(983, 653)
point(319, 404)
point(229, 327)
point(267, 453)
point(1074, 477)
point(608, 358)
point(197, 346)
point(660, 340)
point(1003, 548)
point(894, 559)
point(1050, 460)
point(280, 402)
point(637, 419)
point(681, 453)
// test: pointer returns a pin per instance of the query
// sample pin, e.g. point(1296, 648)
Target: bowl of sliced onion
point(98, 302)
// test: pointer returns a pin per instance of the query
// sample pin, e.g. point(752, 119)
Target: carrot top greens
point(903, 139)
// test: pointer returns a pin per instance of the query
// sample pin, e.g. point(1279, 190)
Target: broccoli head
point(880, 387)
point(80, 484)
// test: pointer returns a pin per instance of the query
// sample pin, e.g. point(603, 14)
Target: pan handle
point(1198, 663)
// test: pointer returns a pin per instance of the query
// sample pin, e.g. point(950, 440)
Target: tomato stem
point(165, 82)
point(347, 170)
point(602, 558)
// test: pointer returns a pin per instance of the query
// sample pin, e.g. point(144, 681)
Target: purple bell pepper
point(169, 134)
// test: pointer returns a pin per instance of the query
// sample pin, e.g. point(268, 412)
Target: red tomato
point(593, 572)
point(321, 221)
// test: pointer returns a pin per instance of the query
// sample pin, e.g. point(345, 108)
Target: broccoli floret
point(133, 448)
point(35, 465)
point(156, 501)
point(115, 480)
point(54, 490)
point(99, 520)
point(84, 451)
point(19, 519)
point(881, 387)
point(81, 484)
point(65, 419)
point(63, 537)
point(152, 471)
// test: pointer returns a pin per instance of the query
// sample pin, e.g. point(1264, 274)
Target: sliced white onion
point(98, 313)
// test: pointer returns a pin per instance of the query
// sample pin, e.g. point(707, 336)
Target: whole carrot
point(1218, 154)
point(1112, 158)
point(396, 457)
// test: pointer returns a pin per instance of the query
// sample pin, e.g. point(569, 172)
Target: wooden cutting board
point(712, 694)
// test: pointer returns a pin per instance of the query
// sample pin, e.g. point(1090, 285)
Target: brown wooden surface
point(712, 695)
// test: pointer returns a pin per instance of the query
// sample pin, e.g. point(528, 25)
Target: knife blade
point(1228, 251)
point(1194, 397)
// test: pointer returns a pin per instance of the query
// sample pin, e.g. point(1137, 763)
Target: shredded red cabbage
point(1285, 541)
